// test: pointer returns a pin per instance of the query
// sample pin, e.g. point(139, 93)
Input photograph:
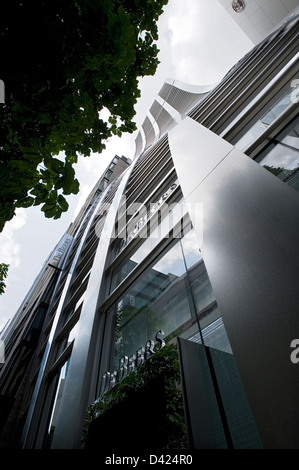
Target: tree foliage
point(62, 63)
point(3, 275)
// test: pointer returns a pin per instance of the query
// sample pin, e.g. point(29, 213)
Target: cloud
point(9, 248)
point(199, 49)
point(181, 22)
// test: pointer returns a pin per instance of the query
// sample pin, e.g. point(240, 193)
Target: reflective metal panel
point(195, 152)
point(251, 251)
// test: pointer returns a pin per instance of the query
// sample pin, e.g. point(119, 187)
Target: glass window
point(104, 183)
point(108, 174)
point(281, 157)
point(261, 125)
point(192, 253)
point(172, 217)
point(60, 381)
point(197, 275)
point(173, 295)
point(201, 286)
point(158, 300)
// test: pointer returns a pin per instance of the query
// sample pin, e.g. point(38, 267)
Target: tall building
point(172, 313)
point(32, 322)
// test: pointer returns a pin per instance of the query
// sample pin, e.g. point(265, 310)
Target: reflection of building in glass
point(281, 155)
point(163, 300)
point(140, 268)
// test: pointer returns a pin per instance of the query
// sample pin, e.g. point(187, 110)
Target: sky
point(199, 43)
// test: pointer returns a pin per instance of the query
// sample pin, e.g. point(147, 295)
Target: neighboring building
point(190, 257)
point(259, 18)
point(22, 334)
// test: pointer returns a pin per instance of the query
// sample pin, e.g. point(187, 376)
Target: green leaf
point(62, 203)
point(25, 202)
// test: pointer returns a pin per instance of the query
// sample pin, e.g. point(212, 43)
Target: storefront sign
point(59, 254)
point(129, 364)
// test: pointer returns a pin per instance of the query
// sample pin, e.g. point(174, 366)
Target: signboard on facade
point(129, 364)
point(60, 251)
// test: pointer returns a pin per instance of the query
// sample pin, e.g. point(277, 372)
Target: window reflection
point(192, 254)
point(282, 157)
point(175, 214)
point(261, 125)
point(197, 275)
point(158, 300)
point(60, 379)
point(173, 295)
